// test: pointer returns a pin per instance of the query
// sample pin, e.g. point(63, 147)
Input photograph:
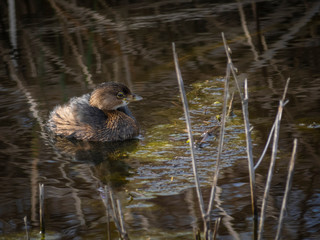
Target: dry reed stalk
point(288, 187)
point(282, 103)
point(270, 172)
point(220, 147)
point(274, 131)
point(205, 215)
point(41, 208)
point(188, 123)
point(244, 102)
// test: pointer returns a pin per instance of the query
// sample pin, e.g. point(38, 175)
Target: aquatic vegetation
point(164, 151)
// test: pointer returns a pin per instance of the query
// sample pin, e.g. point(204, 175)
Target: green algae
point(33, 235)
point(164, 155)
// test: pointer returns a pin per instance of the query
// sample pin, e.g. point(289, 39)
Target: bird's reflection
point(108, 158)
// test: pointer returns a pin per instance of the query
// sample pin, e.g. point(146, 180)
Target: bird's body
point(102, 115)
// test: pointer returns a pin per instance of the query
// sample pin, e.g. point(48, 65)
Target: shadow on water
point(108, 159)
point(54, 50)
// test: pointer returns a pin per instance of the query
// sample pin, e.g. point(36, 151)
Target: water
point(56, 50)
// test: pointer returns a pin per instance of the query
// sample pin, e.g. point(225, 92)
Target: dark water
point(54, 50)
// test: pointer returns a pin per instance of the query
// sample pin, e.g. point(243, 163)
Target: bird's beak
point(134, 97)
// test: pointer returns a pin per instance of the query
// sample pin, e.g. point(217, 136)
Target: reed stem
point(288, 187)
point(271, 168)
point(189, 128)
point(41, 208)
point(273, 159)
point(26, 226)
point(220, 147)
point(244, 102)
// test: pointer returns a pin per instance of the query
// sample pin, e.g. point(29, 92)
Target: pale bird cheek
point(105, 104)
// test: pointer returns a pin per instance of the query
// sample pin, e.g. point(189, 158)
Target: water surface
point(54, 50)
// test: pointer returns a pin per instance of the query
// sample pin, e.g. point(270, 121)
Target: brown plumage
point(102, 115)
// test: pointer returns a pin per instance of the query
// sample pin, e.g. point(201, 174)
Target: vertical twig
point(271, 167)
point(26, 226)
point(220, 146)
point(245, 112)
point(41, 208)
point(273, 159)
point(288, 187)
point(188, 122)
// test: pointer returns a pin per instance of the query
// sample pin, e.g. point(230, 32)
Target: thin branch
point(288, 187)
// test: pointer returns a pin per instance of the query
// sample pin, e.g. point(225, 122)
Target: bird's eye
point(120, 95)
